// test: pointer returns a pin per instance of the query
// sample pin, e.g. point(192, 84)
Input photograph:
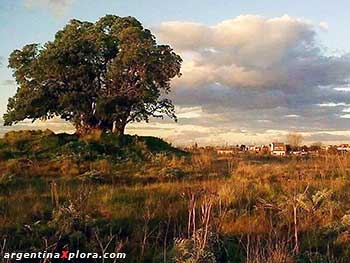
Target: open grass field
point(257, 93)
point(155, 203)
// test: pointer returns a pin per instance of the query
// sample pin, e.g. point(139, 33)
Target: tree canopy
point(99, 75)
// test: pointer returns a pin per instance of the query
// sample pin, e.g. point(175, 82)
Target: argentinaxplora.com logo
point(64, 254)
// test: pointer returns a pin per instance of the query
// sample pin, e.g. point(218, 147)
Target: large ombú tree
point(99, 75)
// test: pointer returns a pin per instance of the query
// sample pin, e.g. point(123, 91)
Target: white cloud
point(345, 116)
point(324, 25)
point(292, 116)
point(57, 7)
point(333, 104)
point(264, 121)
point(344, 89)
point(189, 112)
point(55, 124)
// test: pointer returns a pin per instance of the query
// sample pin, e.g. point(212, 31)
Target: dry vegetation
point(163, 206)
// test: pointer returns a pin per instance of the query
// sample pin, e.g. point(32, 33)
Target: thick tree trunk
point(89, 125)
point(92, 126)
point(83, 130)
point(119, 128)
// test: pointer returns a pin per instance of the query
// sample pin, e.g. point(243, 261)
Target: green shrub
point(7, 180)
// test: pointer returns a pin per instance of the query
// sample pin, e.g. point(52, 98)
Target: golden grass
point(272, 210)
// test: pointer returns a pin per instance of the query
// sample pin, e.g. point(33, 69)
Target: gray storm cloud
point(254, 52)
point(258, 71)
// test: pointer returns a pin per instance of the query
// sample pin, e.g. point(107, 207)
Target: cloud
point(54, 124)
point(249, 69)
point(57, 7)
point(324, 25)
point(251, 79)
point(327, 137)
point(292, 116)
point(254, 52)
point(8, 82)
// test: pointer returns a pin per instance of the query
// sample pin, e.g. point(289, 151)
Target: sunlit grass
point(241, 208)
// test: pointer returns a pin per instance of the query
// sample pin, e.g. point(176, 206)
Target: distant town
point(275, 149)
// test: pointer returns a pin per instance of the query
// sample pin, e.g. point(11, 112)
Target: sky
point(253, 71)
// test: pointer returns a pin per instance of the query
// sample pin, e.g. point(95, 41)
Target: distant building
point(299, 153)
point(251, 147)
point(243, 148)
point(278, 149)
point(254, 148)
point(225, 151)
point(343, 148)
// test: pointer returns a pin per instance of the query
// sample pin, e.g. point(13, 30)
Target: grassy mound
point(48, 145)
point(34, 154)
